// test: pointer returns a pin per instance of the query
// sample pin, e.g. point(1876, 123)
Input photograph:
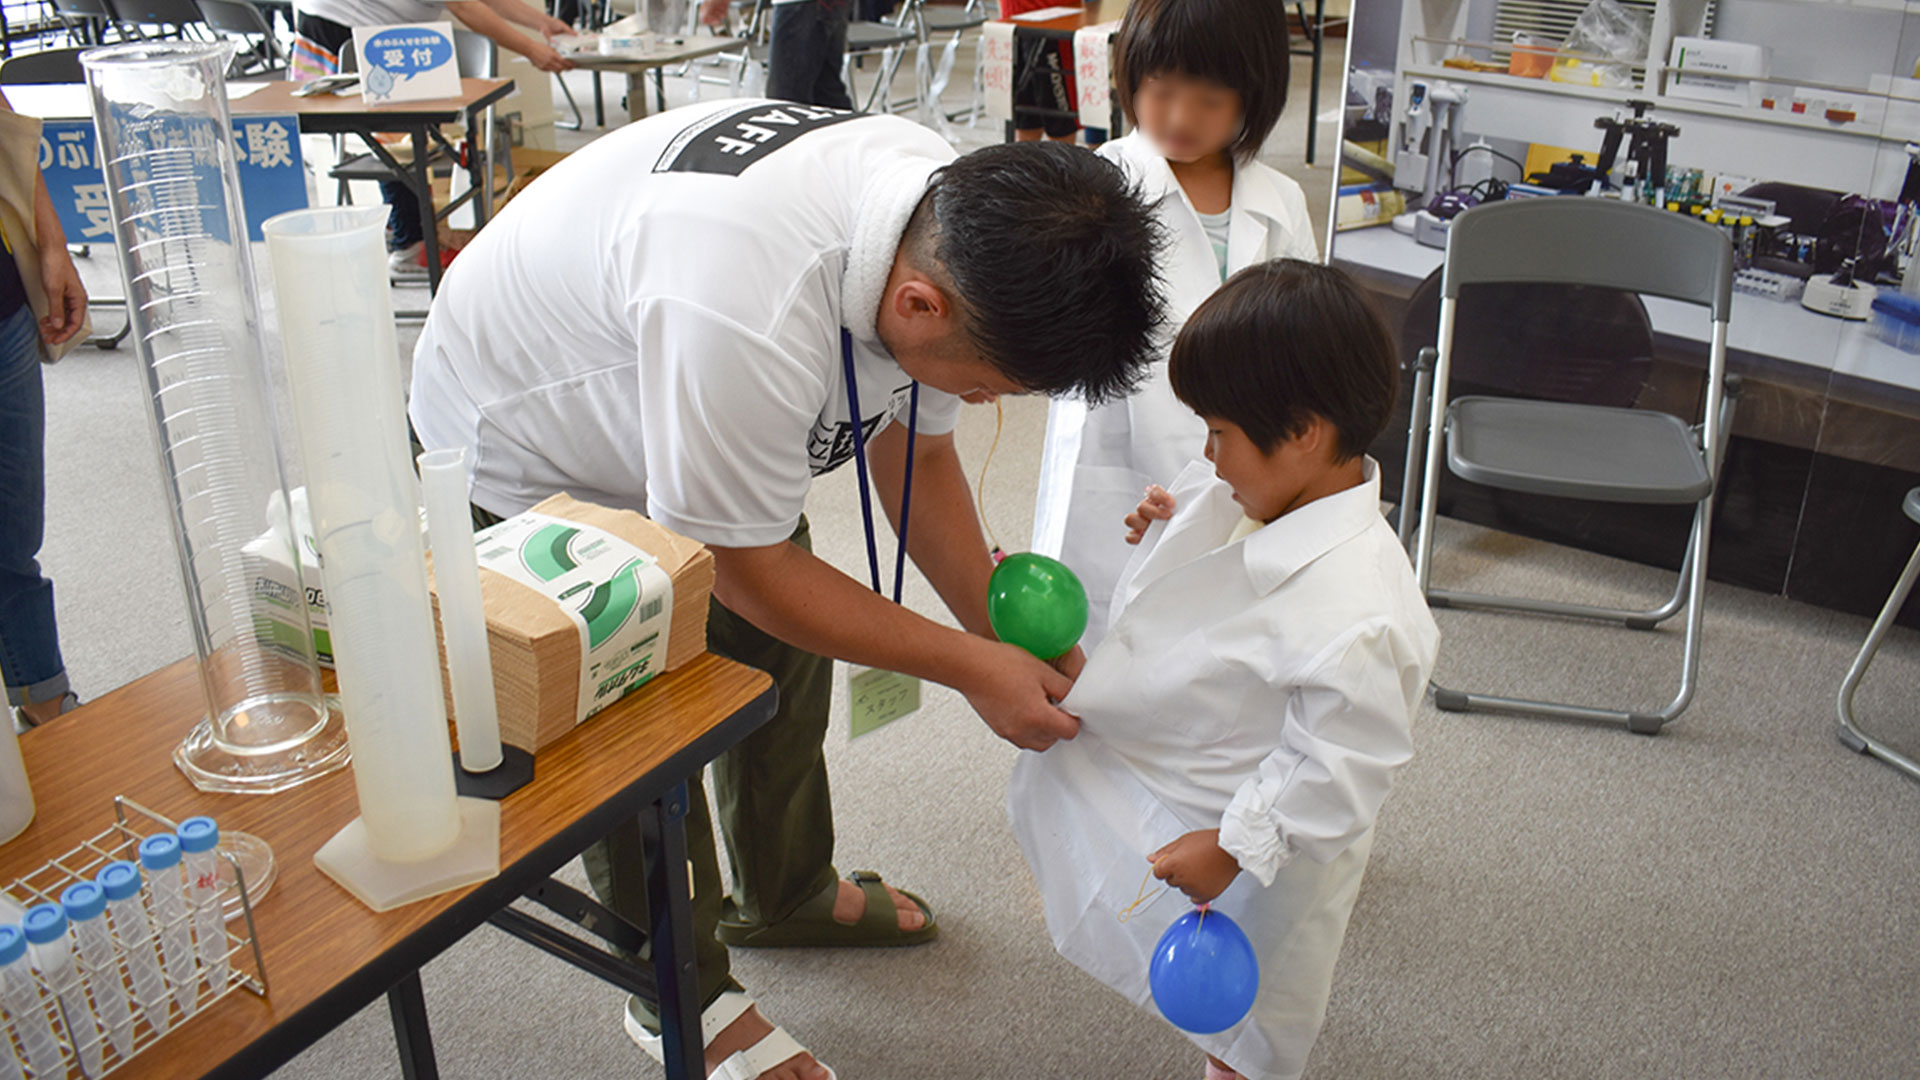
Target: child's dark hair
point(1285, 341)
point(1241, 44)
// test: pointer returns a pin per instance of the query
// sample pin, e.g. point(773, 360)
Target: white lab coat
point(1098, 461)
point(1264, 687)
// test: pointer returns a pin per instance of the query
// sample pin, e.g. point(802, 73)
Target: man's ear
point(919, 298)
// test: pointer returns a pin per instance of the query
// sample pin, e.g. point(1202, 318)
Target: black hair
point(1241, 44)
point(1053, 258)
point(1282, 342)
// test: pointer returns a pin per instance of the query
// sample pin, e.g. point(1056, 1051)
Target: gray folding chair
point(88, 19)
point(1580, 451)
point(1850, 732)
point(261, 56)
point(889, 41)
point(43, 67)
point(168, 18)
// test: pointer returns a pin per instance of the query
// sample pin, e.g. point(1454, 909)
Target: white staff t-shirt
point(352, 13)
point(655, 323)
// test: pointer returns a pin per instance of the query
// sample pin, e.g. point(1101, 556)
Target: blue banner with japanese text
point(267, 150)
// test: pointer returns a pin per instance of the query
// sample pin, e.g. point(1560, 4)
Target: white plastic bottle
point(46, 930)
point(26, 1010)
point(86, 907)
point(160, 858)
point(121, 881)
point(16, 798)
point(199, 841)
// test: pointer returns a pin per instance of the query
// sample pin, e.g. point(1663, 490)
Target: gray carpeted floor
point(1738, 897)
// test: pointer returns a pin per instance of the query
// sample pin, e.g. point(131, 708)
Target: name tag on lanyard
point(877, 697)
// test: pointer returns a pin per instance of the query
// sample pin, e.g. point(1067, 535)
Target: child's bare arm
point(1157, 506)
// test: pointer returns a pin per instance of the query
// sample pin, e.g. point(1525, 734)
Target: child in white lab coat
point(1203, 82)
point(1244, 718)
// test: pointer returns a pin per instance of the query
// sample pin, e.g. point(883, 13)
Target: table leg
point(636, 96)
point(669, 899)
point(429, 221)
point(480, 165)
point(410, 1032)
point(1318, 35)
point(599, 102)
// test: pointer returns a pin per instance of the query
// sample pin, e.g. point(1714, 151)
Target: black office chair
point(262, 57)
point(51, 66)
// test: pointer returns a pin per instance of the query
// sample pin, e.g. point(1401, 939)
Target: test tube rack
point(120, 843)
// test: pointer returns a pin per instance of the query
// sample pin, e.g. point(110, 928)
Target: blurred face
point(1267, 484)
point(1188, 118)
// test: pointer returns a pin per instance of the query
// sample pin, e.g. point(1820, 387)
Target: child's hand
point(1196, 865)
point(1157, 506)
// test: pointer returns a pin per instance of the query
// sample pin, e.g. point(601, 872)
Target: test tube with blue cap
point(46, 930)
point(160, 857)
point(25, 1009)
point(121, 882)
point(200, 840)
point(86, 907)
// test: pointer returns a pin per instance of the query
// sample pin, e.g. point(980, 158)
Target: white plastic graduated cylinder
point(343, 370)
point(463, 615)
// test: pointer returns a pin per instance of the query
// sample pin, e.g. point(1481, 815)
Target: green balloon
point(1037, 603)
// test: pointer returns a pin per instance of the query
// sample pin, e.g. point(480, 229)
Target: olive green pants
point(775, 808)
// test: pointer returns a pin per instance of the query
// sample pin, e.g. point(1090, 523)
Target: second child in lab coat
point(1203, 82)
point(1245, 716)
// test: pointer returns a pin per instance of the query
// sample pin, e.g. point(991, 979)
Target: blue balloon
point(1204, 974)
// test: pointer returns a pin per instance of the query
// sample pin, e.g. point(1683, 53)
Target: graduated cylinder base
point(383, 886)
point(212, 767)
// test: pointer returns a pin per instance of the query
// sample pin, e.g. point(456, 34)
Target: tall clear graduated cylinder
point(167, 149)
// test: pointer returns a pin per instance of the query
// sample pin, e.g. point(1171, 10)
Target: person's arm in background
point(66, 296)
point(496, 18)
point(714, 12)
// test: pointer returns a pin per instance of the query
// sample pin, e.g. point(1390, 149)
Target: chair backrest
point(83, 9)
point(1601, 340)
point(156, 12)
point(1574, 240)
point(235, 17)
point(50, 66)
point(475, 55)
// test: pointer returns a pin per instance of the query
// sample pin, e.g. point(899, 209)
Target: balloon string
point(1141, 901)
point(980, 489)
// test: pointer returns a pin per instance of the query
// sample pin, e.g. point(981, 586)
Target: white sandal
point(772, 1050)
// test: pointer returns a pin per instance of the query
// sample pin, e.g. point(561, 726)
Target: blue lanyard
point(860, 464)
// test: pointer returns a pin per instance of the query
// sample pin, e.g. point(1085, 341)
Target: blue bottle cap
point(121, 881)
point(84, 901)
point(45, 923)
point(199, 834)
point(160, 852)
point(13, 945)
